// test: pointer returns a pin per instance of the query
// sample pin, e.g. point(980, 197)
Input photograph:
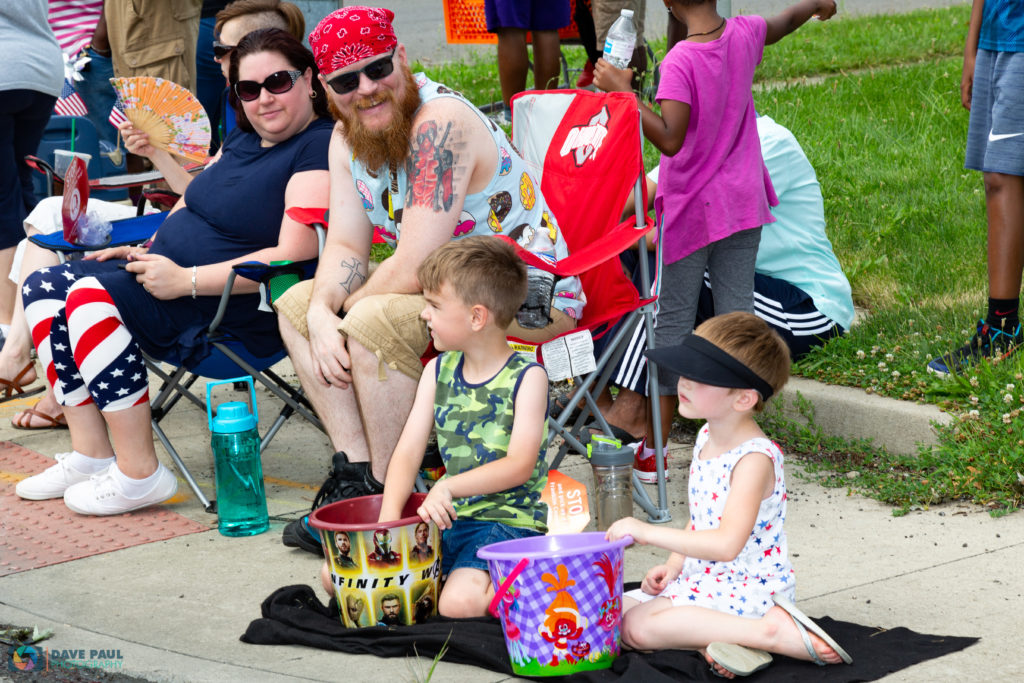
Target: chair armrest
point(127, 231)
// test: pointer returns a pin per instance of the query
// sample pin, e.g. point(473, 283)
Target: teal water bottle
point(241, 499)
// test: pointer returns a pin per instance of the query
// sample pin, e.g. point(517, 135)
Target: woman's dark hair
point(281, 42)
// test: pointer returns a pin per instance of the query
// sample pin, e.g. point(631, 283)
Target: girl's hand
point(627, 526)
point(438, 507)
point(611, 79)
point(826, 10)
point(658, 578)
point(160, 276)
point(116, 253)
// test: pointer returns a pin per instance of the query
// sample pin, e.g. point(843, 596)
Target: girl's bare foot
point(717, 668)
point(789, 639)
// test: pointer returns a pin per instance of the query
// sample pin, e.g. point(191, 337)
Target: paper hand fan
point(171, 115)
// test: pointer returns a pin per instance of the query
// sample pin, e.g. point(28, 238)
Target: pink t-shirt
point(717, 183)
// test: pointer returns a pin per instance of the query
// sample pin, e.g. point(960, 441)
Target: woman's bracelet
point(194, 281)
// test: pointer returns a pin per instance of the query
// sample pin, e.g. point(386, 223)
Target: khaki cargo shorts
point(389, 325)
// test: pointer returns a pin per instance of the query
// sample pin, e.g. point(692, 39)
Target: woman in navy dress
point(89, 319)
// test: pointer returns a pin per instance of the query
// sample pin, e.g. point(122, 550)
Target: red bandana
point(351, 34)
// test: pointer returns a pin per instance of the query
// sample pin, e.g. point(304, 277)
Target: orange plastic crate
point(464, 22)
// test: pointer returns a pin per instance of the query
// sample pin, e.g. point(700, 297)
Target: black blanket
point(293, 615)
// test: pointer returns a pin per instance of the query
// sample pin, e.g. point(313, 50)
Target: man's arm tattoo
point(354, 276)
point(431, 168)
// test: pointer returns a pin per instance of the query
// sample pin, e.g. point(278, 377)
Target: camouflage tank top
point(474, 424)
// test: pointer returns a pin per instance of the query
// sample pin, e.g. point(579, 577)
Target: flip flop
point(13, 388)
point(804, 624)
point(559, 403)
point(737, 659)
point(59, 422)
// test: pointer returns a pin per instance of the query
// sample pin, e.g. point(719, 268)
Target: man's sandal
point(13, 388)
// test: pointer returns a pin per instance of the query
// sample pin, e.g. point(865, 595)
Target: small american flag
point(117, 116)
point(70, 103)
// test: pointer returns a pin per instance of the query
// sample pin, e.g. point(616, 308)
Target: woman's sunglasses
point(220, 50)
point(347, 82)
point(277, 83)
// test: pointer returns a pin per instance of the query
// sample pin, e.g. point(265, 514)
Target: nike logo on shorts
point(993, 137)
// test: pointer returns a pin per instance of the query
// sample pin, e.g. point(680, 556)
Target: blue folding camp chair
point(228, 358)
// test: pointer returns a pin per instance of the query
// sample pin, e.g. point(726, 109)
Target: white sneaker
point(51, 482)
point(101, 495)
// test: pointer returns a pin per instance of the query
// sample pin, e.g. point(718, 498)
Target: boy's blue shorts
point(460, 543)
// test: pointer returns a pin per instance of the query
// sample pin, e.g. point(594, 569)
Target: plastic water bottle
point(612, 464)
point(535, 312)
point(241, 499)
point(618, 46)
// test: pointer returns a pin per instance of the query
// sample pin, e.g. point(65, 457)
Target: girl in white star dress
point(729, 566)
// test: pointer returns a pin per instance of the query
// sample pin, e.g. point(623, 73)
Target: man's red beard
point(390, 146)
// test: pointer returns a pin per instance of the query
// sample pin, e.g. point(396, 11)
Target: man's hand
point(331, 363)
point(438, 507)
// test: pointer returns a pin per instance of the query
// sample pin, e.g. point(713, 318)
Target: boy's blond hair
point(753, 342)
point(480, 270)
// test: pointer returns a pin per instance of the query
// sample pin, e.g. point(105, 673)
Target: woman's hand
point(437, 506)
point(331, 363)
point(658, 578)
point(136, 141)
point(160, 276)
point(117, 253)
point(611, 79)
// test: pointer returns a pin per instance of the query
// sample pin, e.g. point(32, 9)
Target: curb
point(897, 426)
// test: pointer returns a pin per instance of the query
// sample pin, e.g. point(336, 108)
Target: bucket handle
point(506, 585)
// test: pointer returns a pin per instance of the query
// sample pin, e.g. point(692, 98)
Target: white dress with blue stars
point(745, 585)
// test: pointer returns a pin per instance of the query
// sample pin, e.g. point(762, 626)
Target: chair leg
point(208, 505)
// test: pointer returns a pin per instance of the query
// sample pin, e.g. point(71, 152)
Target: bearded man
point(423, 166)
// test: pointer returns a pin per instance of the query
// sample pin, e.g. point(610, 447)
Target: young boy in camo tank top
point(488, 406)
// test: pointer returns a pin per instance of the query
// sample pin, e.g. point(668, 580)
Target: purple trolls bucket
point(383, 574)
point(559, 599)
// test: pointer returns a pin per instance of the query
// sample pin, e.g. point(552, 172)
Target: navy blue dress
point(233, 208)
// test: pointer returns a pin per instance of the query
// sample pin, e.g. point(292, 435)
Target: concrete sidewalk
point(176, 608)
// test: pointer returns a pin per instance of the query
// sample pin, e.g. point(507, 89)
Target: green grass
point(875, 103)
point(887, 146)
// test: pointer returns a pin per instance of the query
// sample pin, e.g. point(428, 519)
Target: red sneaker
point(646, 468)
point(586, 76)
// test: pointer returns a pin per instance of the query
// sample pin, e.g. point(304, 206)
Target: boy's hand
point(611, 79)
point(437, 506)
point(826, 10)
point(658, 578)
point(627, 526)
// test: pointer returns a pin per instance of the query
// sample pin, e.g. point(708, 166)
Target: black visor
point(699, 360)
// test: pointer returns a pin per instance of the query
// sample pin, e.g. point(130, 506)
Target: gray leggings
point(730, 265)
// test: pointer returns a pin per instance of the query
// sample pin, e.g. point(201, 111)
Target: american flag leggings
point(82, 342)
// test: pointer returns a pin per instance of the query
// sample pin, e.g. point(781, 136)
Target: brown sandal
point(20, 422)
point(13, 388)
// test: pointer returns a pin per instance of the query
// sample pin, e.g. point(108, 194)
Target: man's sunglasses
point(220, 50)
point(277, 83)
point(347, 82)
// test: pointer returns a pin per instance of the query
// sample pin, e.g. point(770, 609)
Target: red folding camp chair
point(585, 149)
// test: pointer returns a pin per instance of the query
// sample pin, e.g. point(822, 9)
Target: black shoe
point(987, 342)
point(345, 480)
